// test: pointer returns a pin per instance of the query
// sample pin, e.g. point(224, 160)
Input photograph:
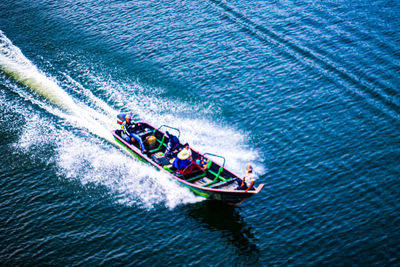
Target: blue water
point(307, 92)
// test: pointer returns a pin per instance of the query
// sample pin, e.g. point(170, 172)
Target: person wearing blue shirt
point(128, 132)
point(173, 145)
point(127, 128)
point(182, 161)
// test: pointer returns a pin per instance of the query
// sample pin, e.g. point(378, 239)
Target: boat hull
point(229, 197)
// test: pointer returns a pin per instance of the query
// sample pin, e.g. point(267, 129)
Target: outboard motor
point(121, 118)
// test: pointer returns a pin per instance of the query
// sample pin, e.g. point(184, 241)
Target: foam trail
point(193, 118)
point(16, 65)
point(88, 160)
point(129, 180)
point(92, 162)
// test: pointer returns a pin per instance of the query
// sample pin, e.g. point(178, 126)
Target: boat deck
point(211, 180)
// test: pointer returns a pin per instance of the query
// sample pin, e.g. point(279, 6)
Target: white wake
point(91, 161)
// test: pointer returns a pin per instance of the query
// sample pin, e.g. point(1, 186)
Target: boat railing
point(223, 164)
point(218, 174)
point(173, 128)
point(163, 137)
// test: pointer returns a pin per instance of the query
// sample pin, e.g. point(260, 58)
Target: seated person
point(128, 133)
point(172, 145)
point(127, 128)
point(182, 161)
point(248, 177)
point(186, 148)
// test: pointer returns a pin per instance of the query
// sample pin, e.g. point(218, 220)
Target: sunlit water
point(306, 92)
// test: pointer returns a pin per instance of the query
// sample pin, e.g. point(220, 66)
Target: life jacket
point(127, 128)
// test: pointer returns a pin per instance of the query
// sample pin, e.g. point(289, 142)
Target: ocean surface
point(308, 92)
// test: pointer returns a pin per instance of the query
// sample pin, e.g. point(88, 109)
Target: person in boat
point(129, 131)
point(186, 148)
point(247, 182)
point(127, 128)
point(183, 160)
point(173, 145)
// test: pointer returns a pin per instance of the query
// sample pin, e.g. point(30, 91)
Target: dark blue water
point(308, 92)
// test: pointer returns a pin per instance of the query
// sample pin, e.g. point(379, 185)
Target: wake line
point(79, 158)
point(14, 64)
point(17, 66)
point(268, 36)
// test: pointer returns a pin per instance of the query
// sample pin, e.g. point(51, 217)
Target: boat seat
point(221, 182)
point(203, 174)
point(202, 181)
point(217, 177)
point(207, 171)
point(192, 169)
point(197, 177)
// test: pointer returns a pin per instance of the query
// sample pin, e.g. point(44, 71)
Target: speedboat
point(208, 178)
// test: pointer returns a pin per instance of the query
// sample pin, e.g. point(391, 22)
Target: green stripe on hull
point(130, 151)
point(196, 191)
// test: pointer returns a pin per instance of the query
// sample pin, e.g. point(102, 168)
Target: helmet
point(128, 117)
